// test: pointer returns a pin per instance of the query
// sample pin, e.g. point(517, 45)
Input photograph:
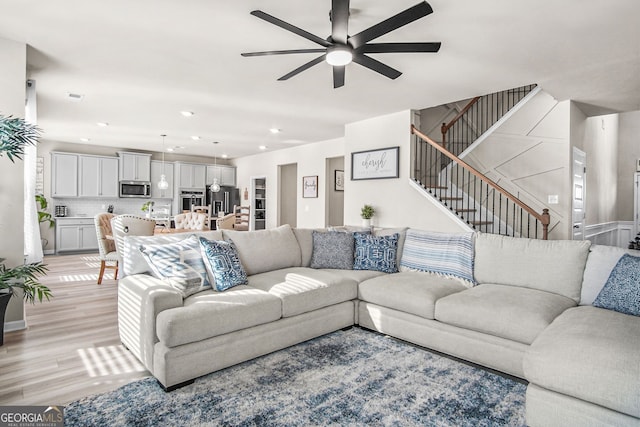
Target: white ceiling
point(139, 63)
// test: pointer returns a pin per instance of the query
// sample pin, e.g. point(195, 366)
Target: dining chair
point(242, 214)
point(106, 245)
point(191, 221)
point(130, 225)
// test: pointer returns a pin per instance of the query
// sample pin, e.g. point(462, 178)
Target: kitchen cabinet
point(64, 174)
point(156, 172)
point(75, 234)
point(226, 175)
point(98, 176)
point(134, 166)
point(191, 175)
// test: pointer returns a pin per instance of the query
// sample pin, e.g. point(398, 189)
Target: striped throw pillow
point(446, 254)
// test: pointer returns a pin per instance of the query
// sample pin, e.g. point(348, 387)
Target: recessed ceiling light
point(170, 149)
point(76, 97)
point(85, 139)
point(224, 156)
point(195, 138)
point(275, 130)
point(102, 124)
point(263, 147)
point(187, 113)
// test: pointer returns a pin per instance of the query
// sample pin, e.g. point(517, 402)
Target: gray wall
point(628, 153)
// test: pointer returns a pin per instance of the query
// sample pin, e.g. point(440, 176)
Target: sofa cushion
point(332, 249)
point(548, 265)
point(304, 289)
point(223, 264)
point(592, 354)
point(622, 290)
point(448, 254)
point(510, 312)
point(133, 260)
point(411, 292)
point(266, 250)
point(179, 264)
point(304, 236)
point(357, 275)
point(208, 314)
point(600, 263)
point(377, 253)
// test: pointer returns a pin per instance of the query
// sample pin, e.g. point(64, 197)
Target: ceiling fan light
point(339, 55)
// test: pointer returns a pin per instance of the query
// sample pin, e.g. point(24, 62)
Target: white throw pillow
point(600, 263)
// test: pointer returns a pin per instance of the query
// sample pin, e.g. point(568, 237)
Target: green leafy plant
point(15, 134)
point(44, 216)
point(367, 212)
point(146, 207)
point(25, 277)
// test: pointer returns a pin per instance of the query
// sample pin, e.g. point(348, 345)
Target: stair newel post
point(443, 130)
point(546, 220)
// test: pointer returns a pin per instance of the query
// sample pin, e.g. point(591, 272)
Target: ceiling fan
point(339, 49)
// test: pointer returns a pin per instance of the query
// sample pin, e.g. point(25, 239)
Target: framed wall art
point(310, 186)
point(375, 164)
point(339, 180)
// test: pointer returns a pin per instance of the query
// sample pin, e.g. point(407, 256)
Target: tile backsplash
point(91, 207)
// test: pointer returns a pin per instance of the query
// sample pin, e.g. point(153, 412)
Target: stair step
point(450, 198)
point(466, 210)
point(481, 222)
point(437, 187)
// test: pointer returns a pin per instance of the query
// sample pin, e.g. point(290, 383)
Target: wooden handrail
point(446, 126)
point(544, 217)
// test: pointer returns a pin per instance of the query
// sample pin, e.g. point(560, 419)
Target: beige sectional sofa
point(522, 317)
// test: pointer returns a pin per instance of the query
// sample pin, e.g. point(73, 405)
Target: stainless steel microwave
point(135, 189)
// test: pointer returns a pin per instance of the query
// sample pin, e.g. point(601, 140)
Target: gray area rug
point(353, 377)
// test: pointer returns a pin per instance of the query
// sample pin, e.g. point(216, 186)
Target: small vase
point(366, 222)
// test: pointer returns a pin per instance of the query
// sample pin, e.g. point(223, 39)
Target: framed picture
point(375, 164)
point(339, 180)
point(310, 186)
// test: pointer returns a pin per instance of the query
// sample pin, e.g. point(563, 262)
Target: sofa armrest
point(140, 298)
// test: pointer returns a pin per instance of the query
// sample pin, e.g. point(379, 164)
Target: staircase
point(440, 171)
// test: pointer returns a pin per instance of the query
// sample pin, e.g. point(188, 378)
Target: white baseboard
point(16, 325)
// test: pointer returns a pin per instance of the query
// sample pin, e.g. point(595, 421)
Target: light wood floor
point(71, 347)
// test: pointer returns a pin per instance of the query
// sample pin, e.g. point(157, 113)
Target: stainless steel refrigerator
point(224, 200)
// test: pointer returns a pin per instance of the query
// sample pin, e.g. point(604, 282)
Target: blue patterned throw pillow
point(376, 253)
point(332, 249)
point(622, 291)
point(179, 264)
point(223, 264)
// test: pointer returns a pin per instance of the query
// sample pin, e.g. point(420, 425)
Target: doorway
point(579, 170)
point(334, 212)
point(287, 194)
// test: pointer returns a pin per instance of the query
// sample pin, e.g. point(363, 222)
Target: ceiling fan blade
point(282, 52)
point(376, 66)
point(285, 25)
point(339, 21)
point(338, 76)
point(401, 19)
point(399, 47)
point(303, 67)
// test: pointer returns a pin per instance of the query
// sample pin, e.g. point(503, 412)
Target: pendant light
point(215, 187)
point(163, 184)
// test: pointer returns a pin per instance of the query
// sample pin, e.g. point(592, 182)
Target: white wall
point(311, 160)
point(395, 201)
point(13, 57)
point(628, 154)
point(335, 199)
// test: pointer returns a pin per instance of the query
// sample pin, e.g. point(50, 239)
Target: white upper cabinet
point(134, 166)
point(226, 175)
point(191, 175)
point(64, 175)
point(98, 176)
point(156, 172)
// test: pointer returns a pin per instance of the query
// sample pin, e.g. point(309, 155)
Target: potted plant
point(21, 278)
point(367, 213)
point(43, 215)
point(146, 208)
point(15, 134)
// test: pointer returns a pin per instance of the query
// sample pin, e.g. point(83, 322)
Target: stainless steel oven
point(190, 198)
